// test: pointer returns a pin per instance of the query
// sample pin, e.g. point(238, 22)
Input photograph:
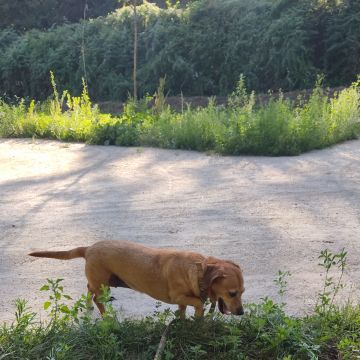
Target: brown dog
point(175, 277)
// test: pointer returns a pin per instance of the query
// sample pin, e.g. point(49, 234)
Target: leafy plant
point(331, 285)
point(55, 304)
point(278, 127)
point(281, 282)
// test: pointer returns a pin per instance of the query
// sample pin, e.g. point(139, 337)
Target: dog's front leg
point(199, 311)
point(182, 311)
point(183, 301)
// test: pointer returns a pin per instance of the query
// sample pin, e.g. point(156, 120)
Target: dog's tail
point(61, 255)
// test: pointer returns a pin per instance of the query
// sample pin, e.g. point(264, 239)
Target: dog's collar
point(204, 292)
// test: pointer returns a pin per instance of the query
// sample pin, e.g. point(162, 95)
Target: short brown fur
point(175, 277)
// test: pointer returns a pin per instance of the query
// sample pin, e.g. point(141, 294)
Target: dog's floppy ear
point(232, 263)
point(210, 272)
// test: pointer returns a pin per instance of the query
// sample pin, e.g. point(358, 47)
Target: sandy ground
point(264, 213)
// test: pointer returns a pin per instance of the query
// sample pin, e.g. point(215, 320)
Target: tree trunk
point(135, 50)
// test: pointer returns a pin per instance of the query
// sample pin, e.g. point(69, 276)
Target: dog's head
point(223, 282)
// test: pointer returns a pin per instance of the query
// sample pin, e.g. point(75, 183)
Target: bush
point(279, 127)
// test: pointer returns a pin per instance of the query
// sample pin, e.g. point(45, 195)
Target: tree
point(28, 14)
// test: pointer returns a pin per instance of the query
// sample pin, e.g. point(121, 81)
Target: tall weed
point(279, 127)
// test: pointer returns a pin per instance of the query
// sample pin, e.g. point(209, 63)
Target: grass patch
point(280, 127)
point(264, 332)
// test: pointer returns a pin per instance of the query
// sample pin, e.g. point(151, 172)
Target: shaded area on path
point(264, 213)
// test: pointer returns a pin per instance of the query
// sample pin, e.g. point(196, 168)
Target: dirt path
point(265, 213)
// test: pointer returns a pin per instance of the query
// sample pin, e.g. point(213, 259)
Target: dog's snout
point(240, 311)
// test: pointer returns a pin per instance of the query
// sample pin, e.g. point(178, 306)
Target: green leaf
point(64, 309)
point(47, 304)
point(67, 297)
point(44, 288)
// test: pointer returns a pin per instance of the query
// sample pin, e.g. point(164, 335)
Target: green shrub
point(279, 127)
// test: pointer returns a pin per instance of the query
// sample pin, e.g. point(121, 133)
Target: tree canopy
point(201, 49)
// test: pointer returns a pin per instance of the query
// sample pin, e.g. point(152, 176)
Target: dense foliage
point(202, 49)
point(28, 14)
point(279, 127)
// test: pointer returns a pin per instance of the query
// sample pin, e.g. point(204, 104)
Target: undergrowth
point(280, 127)
point(264, 332)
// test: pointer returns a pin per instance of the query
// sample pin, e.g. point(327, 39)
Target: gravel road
point(264, 213)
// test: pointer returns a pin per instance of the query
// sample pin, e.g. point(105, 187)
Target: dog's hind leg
point(95, 292)
point(182, 311)
point(97, 277)
point(89, 298)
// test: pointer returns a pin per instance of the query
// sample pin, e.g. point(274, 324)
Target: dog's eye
point(232, 293)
